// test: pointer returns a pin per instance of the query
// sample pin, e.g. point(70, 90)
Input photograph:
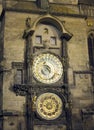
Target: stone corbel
point(27, 32)
point(66, 35)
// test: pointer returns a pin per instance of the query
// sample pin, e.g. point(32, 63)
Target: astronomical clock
point(46, 71)
point(47, 68)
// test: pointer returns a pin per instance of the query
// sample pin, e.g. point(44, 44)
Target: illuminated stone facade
point(63, 29)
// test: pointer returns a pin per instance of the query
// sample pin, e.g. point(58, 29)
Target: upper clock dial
point(47, 68)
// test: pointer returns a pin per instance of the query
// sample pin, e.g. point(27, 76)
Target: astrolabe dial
point(47, 68)
point(49, 106)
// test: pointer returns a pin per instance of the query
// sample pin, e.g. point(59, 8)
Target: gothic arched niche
point(48, 36)
point(48, 33)
point(54, 23)
point(48, 19)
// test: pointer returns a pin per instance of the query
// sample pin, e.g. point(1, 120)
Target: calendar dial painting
point(49, 106)
point(47, 68)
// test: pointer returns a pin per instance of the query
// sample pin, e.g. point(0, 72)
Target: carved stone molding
point(20, 89)
point(17, 65)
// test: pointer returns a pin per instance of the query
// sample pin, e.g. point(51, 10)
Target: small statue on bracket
point(27, 31)
point(28, 23)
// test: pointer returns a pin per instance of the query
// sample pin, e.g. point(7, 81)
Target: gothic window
point(91, 49)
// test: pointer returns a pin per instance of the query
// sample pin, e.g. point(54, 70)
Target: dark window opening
point(91, 54)
point(91, 50)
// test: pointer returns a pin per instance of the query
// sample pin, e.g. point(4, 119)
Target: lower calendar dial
point(49, 106)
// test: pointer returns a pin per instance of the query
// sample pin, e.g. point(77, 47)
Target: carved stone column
point(28, 51)
point(65, 39)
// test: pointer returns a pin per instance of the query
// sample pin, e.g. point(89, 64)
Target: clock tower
point(47, 65)
point(48, 104)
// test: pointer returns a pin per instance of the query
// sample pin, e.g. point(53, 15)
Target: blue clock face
point(47, 68)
